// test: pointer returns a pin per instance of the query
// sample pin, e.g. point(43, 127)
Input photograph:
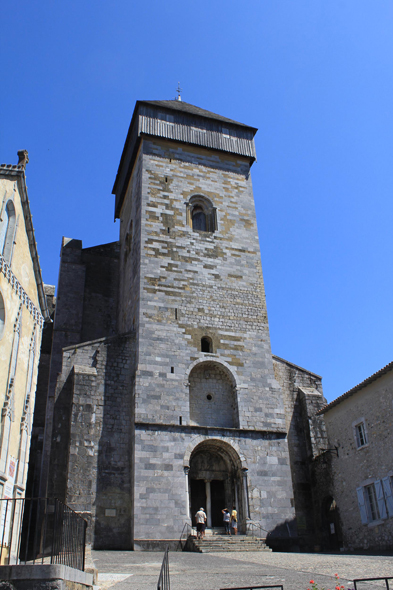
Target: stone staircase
point(222, 543)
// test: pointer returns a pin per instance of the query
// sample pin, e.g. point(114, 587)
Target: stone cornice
point(210, 430)
point(16, 286)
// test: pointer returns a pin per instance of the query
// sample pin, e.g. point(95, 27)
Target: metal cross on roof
point(179, 91)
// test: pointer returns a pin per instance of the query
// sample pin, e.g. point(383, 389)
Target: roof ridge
point(357, 387)
point(191, 109)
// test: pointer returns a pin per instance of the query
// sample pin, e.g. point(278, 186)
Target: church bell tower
point(208, 424)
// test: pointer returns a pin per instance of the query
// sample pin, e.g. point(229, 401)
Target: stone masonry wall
point(130, 253)
point(92, 439)
point(358, 467)
point(303, 397)
point(198, 283)
point(161, 480)
point(86, 308)
point(194, 284)
point(39, 417)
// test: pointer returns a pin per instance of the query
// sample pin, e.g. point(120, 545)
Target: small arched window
point(201, 214)
point(7, 231)
point(206, 344)
point(198, 219)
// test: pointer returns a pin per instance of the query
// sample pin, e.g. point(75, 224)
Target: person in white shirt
point(200, 518)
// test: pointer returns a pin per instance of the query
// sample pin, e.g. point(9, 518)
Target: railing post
point(22, 514)
point(4, 525)
point(54, 529)
point(84, 545)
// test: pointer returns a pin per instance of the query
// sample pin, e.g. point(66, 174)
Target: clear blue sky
point(316, 78)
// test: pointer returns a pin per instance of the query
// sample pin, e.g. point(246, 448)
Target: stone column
point(245, 493)
point(186, 472)
point(208, 503)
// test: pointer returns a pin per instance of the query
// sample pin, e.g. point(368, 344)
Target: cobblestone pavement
point(126, 570)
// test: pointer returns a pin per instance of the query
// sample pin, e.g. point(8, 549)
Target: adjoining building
point(163, 393)
point(359, 425)
point(23, 310)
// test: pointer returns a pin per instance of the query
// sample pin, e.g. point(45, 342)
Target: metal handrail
point(372, 580)
point(255, 587)
point(163, 579)
point(255, 525)
point(186, 532)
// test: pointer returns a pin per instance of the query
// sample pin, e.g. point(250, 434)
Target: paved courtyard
point(126, 570)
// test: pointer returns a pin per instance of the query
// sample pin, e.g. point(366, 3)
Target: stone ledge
point(189, 428)
point(44, 572)
point(83, 370)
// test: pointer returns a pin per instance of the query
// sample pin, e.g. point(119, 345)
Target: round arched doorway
point(216, 481)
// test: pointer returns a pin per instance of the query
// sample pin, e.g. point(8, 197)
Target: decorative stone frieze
point(20, 292)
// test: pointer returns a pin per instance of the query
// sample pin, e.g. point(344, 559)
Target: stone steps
point(224, 543)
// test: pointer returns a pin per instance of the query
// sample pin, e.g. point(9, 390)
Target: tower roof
point(190, 109)
point(184, 123)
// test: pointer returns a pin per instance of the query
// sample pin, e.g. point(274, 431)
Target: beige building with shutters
point(360, 425)
point(22, 314)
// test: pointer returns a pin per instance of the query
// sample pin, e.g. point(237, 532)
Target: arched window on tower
point(201, 214)
point(206, 344)
point(198, 219)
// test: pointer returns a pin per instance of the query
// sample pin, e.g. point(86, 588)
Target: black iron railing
point(41, 530)
point(254, 529)
point(360, 581)
point(163, 580)
point(254, 587)
point(188, 531)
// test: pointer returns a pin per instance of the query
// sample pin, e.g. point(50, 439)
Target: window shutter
point(380, 499)
point(362, 507)
point(388, 495)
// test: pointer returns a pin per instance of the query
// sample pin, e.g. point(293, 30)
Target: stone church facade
point(163, 394)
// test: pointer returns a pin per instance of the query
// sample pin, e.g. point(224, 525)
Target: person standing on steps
point(200, 518)
point(234, 520)
point(227, 520)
